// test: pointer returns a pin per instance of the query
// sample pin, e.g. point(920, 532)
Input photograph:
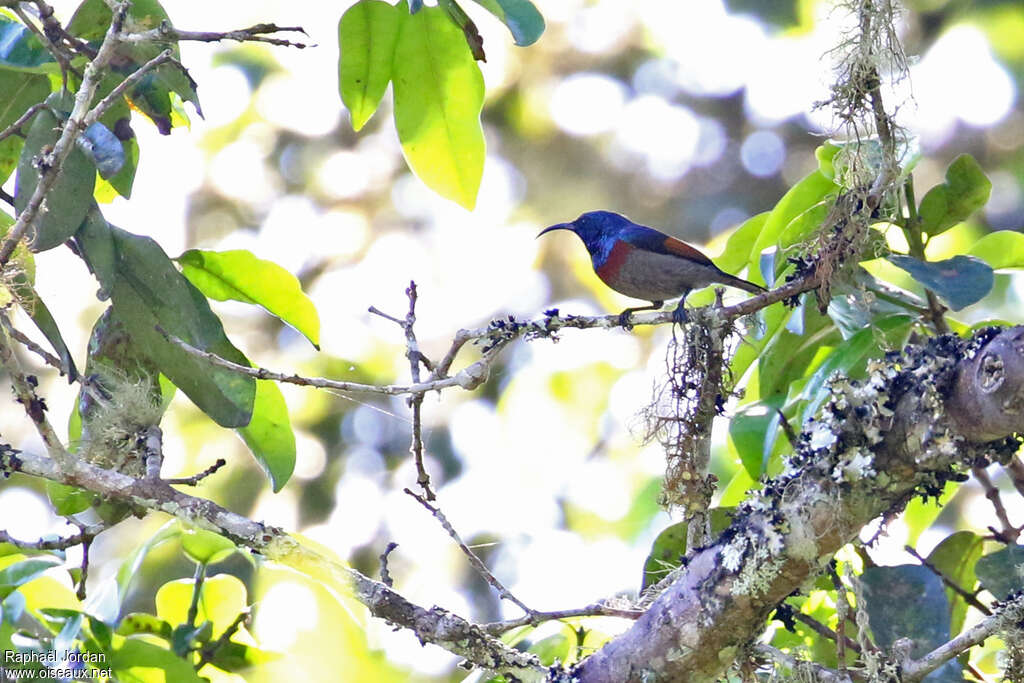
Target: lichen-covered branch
point(876, 444)
point(433, 625)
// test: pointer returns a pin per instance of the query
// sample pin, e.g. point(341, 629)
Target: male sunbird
point(645, 263)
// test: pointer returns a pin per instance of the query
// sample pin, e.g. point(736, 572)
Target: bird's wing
point(650, 239)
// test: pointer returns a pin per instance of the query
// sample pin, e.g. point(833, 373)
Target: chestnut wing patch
point(680, 248)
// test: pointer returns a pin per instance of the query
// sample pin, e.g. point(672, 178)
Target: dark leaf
point(960, 281)
point(70, 196)
point(998, 571)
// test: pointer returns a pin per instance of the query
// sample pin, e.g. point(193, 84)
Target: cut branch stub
point(988, 398)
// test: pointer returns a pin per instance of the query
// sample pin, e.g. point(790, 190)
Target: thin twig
point(47, 357)
point(207, 653)
point(415, 401)
point(15, 128)
point(842, 613)
point(969, 597)
point(1009, 532)
point(84, 533)
point(196, 478)
point(1015, 469)
point(86, 546)
point(167, 56)
point(385, 576)
point(64, 60)
point(477, 563)
point(598, 609)
point(167, 33)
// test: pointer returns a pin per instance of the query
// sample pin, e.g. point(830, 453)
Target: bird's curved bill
point(559, 226)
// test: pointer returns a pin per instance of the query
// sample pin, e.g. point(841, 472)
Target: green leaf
point(666, 553)
point(960, 281)
point(1000, 572)
point(236, 657)
point(147, 292)
point(21, 50)
point(269, 434)
point(43, 319)
point(367, 34)
point(955, 557)
point(70, 196)
point(752, 436)
point(129, 569)
point(140, 622)
point(240, 276)
point(737, 248)
point(136, 661)
point(966, 190)
point(888, 591)
point(1001, 249)
point(805, 223)
point(809, 191)
point(24, 571)
point(520, 16)
point(21, 91)
point(68, 500)
point(439, 92)
point(221, 599)
point(205, 547)
point(670, 546)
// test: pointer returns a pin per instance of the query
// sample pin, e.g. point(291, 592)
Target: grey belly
point(657, 277)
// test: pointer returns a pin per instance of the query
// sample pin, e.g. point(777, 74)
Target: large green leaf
point(24, 571)
point(367, 34)
point(965, 191)
point(888, 591)
point(20, 91)
point(520, 16)
point(240, 276)
point(439, 92)
point(1001, 249)
point(955, 557)
point(999, 572)
point(960, 281)
point(21, 50)
point(148, 292)
point(736, 254)
point(269, 434)
point(137, 661)
point(70, 196)
point(809, 191)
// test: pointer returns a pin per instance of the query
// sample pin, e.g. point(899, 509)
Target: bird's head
point(597, 229)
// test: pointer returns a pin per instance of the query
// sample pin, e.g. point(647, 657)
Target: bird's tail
point(740, 283)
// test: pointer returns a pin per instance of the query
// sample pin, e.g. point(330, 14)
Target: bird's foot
point(624, 320)
point(679, 316)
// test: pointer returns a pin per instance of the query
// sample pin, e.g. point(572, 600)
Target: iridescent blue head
point(597, 229)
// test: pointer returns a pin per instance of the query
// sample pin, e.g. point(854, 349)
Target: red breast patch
point(609, 270)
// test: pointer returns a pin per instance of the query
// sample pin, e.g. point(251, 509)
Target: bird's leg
point(679, 315)
point(624, 316)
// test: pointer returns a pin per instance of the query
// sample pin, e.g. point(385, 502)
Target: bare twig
point(496, 628)
point(385, 577)
point(47, 357)
point(62, 58)
point(477, 563)
point(415, 401)
point(1009, 533)
point(167, 33)
point(15, 128)
point(167, 56)
point(969, 597)
point(86, 546)
point(196, 478)
point(1016, 471)
point(915, 670)
point(84, 533)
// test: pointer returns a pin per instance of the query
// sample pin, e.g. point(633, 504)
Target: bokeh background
point(688, 116)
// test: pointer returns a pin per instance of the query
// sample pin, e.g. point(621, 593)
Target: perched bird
point(645, 263)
